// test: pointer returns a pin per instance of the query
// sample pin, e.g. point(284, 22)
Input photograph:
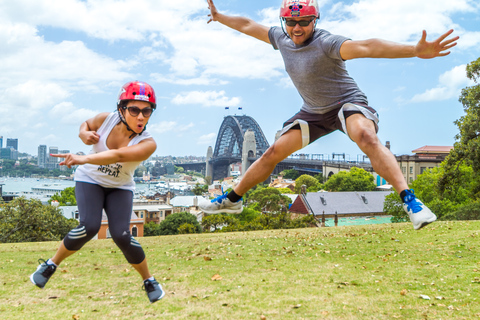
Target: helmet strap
point(122, 119)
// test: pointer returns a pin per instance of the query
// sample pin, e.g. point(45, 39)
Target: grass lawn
point(354, 272)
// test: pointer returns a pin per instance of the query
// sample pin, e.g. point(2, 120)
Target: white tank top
point(116, 175)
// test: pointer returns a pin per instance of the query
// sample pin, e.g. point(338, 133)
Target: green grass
point(359, 272)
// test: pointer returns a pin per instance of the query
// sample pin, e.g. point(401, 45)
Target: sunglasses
point(302, 23)
point(135, 111)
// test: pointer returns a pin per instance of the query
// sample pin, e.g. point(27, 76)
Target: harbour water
point(19, 185)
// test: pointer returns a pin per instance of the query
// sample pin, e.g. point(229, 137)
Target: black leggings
point(118, 204)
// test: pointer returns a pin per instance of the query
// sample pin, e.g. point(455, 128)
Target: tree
point(356, 179)
point(467, 148)
point(268, 200)
point(291, 174)
point(170, 225)
point(151, 229)
point(199, 189)
point(216, 222)
point(319, 177)
point(312, 184)
point(65, 198)
point(187, 228)
point(28, 220)
point(394, 207)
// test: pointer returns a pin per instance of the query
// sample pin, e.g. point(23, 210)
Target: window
point(411, 170)
point(134, 231)
point(422, 169)
point(161, 214)
point(404, 170)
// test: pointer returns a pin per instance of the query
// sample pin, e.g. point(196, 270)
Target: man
point(315, 61)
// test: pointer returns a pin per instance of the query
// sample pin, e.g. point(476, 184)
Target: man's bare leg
point(362, 131)
point(261, 169)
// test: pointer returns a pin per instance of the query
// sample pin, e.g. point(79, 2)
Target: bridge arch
point(230, 137)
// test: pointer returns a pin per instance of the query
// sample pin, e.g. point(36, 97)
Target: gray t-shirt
point(317, 70)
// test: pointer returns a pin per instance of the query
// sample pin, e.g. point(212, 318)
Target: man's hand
point(428, 50)
point(213, 11)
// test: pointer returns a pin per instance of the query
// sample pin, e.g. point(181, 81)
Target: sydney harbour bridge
point(241, 140)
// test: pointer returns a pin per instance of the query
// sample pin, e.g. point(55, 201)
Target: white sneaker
point(221, 204)
point(419, 214)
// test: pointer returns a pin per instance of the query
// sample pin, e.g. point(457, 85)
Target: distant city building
point(1, 142)
point(8, 153)
point(52, 162)
point(12, 143)
point(63, 168)
point(42, 156)
point(424, 158)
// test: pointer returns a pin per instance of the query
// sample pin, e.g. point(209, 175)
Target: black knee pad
point(131, 248)
point(77, 237)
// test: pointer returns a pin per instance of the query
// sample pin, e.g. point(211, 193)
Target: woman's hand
point(70, 159)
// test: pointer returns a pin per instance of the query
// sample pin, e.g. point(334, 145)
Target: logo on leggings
point(111, 169)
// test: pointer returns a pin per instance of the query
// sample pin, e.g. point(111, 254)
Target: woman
point(104, 181)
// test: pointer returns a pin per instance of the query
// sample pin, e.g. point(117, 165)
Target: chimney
point(387, 145)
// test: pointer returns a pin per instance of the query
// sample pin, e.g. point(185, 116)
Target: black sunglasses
point(302, 23)
point(135, 111)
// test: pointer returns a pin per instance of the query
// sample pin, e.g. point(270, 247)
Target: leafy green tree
point(285, 190)
point(469, 211)
point(319, 177)
point(356, 179)
point(426, 188)
point(467, 148)
point(248, 215)
point(28, 220)
point(151, 229)
point(187, 228)
point(312, 184)
point(170, 225)
point(65, 198)
point(199, 189)
point(393, 206)
point(216, 222)
point(268, 200)
point(179, 169)
point(291, 174)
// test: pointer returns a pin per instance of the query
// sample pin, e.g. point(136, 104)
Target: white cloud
point(168, 126)
point(206, 99)
point(207, 139)
point(469, 40)
point(449, 86)
point(394, 20)
point(202, 80)
point(67, 113)
point(33, 94)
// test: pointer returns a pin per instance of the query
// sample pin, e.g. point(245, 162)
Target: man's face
point(299, 34)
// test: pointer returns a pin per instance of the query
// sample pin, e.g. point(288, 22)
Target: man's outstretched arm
point(241, 24)
point(378, 48)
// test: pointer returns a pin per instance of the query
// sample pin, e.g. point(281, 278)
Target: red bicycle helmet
point(299, 8)
point(137, 90)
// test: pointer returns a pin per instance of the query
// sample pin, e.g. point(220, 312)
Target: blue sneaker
point(419, 214)
point(221, 204)
point(154, 290)
point(43, 274)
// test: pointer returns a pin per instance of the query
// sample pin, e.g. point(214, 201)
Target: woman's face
point(137, 114)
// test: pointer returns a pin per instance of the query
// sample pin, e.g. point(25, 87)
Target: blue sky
point(63, 61)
